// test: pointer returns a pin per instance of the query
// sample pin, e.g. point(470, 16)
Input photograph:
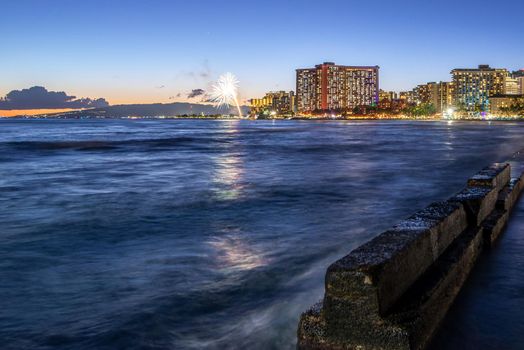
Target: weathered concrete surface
point(479, 202)
point(494, 225)
point(370, 273)
point(425, 305)
point(480, 196)
point(498, 219)
point(510, 193)
point(413, 320)
point(494, 176)
point(392, 292)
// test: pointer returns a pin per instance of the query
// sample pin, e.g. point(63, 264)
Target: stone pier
point(393, 292)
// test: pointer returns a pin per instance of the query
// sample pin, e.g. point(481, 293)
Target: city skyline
point(336, 96)
point(166, 52)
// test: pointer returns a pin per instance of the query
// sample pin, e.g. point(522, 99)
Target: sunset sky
point(159, 51)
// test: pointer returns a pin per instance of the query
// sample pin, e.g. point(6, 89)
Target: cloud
point(207, 98)
point(202, 73)
point(195, 93)
point(206, 71)
point(37, 97)
point(161, 87)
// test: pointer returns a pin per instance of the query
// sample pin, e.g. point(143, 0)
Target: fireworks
point(225, 92)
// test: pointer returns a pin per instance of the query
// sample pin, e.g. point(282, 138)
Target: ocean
point(215, 234)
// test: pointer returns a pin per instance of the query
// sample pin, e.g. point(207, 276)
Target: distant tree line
point(420, 110)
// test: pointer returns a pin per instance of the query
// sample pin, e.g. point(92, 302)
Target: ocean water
point(191, 234)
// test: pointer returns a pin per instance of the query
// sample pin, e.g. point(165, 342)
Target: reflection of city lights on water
point(233, 253)
point(228, 177)
point(229, 172)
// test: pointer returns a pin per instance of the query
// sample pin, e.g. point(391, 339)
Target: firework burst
point(225, 91)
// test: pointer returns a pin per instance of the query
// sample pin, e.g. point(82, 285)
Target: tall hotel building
point(473, 87)
point(440, 95)
point(330, 87)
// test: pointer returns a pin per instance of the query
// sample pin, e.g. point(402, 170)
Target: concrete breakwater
point(393, 292)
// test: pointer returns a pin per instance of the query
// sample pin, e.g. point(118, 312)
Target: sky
point(162, 50)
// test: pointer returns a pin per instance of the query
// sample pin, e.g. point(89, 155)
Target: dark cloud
point(38, 97)
point(179, 94)
point(195, 93)
point(207, 98)
point(161, 87)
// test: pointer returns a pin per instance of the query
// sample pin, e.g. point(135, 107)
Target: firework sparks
point(225, 92)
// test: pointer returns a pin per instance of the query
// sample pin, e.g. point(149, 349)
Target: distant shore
point(302, 118)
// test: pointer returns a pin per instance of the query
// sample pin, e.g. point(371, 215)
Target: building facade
point(408, 96)
point(444, 96)
point(330, 87)
point(519, 75)
point(281, 103)
point(422, 93)
point(500, 105)
point(473, 87)
point(512, 86)
point(441, 95)
point(387, 95)
point(438, 94)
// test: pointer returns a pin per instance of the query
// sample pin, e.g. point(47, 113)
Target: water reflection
point(228, 167)
point(233, 253)
point(234, 222)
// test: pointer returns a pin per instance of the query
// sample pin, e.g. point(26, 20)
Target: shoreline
point(269, 119)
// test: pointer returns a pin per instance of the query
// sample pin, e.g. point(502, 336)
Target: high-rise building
point(501, 104)
point(423, 93)
point(519, 75)
point(408, 96)
point(276, 103)
point(387, 95)
point(388, 100)
point(473, 87)
point(330, 87)
point(512, 86)
point(439, 94)
point(444, 96)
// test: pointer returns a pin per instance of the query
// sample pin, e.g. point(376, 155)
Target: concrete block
point(376, 274)
point(392, 292)
point(495, 176)
point(509, 194)
point(311, 329)
point(413, 320)
point(479, 202)
point(494, 225)
point(425, 305)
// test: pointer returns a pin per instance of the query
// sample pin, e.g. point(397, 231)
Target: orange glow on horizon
point(15, 112)
point(21, 112)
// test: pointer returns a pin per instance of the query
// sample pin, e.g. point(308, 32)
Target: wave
point(90, 145)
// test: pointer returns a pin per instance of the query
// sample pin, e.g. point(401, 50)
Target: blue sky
point(159, 50)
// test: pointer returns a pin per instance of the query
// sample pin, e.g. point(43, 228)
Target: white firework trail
point(225, 91)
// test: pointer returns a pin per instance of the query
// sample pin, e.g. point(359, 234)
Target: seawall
point(393, 291)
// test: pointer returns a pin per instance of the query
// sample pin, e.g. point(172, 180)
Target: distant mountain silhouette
point(151, 110)
point(38, 97)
